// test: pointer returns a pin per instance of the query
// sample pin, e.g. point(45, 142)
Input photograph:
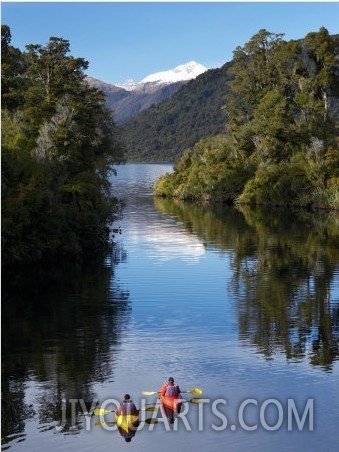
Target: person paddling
point(170, 389)
point(127, 407)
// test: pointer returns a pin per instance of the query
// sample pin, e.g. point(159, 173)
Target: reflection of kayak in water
point(171, 406)
point(128, 422)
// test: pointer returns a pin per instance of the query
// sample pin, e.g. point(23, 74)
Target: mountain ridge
point(183, 72)
point(129, 99)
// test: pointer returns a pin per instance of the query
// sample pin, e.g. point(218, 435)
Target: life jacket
point(172, 391)
point(127, 408)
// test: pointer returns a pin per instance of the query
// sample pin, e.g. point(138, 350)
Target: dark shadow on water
point(60, 323)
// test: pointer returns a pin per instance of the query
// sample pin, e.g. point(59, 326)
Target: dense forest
point(59, 142)
point(280, 145)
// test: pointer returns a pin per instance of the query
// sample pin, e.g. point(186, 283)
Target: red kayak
point(173, 403)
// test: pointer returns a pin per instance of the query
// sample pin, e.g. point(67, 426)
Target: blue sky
point(124, 40)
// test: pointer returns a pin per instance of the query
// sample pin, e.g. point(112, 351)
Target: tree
point(323, 69)
point(12, 69)
point(253, 74)
point(260, 109)
point(52, 70)
point(58, 147)
point(279, 122)
point(320, 81)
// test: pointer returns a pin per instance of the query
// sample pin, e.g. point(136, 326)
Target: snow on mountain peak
point(129, 85)
point(184, 72)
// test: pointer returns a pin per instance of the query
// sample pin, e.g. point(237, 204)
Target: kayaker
point(127, 407)
point(170, 389)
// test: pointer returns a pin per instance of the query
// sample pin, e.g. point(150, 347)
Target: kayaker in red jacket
point(170, 389)
point(127, 406)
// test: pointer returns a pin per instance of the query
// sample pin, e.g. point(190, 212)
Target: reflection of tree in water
point(220, 226)
point(284, 266)
point(119, 254)
point(284, 287)
point(60, 327)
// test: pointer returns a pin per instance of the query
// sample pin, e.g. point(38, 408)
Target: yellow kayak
point(127, 421)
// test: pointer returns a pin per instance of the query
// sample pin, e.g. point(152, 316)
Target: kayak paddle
point(195, 391)
point(195, 400)
point(148, 421)
point(102, 411)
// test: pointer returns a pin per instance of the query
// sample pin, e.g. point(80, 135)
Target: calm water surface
point(243, 304)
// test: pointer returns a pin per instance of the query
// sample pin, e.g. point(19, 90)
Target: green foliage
point(281, 144)
point(214, 169)
point(276, 184)
point(58, 144)
point(12, 69)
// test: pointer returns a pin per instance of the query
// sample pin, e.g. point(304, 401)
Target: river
point(241, 303)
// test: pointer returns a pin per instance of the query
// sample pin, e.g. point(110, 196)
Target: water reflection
point(60, 327)
point(285, 281)
point(217, 294)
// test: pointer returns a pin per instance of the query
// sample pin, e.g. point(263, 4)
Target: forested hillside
point(58, 144)
point(164, 131)
point(280, 146)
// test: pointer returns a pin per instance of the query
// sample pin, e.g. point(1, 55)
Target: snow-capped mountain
point(182, 73)
point(129, 85)
point(127, 100)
